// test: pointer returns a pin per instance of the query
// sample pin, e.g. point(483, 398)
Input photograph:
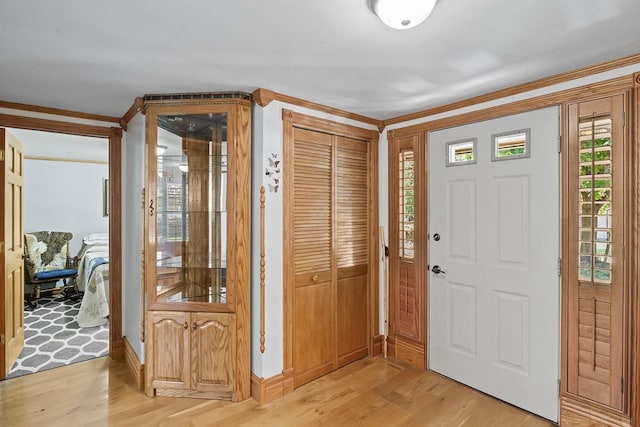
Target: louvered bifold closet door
point(596, 328)
point(314, 298)
point(352, 248)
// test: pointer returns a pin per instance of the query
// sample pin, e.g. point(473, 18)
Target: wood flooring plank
point(369, 392)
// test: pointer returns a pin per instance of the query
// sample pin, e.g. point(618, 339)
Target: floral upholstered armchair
point(48, 261)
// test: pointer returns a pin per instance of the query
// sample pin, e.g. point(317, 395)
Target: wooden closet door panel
point(314, 295)
point(352, 319)
point(352, 248)
point(314, 349)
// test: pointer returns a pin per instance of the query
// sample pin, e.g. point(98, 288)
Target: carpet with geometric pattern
point(53, 338)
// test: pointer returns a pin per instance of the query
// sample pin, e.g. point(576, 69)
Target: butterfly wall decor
point(272, 172)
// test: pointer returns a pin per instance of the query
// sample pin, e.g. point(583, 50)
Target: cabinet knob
point(314, 278)
point(194, 326)
point(186, 325)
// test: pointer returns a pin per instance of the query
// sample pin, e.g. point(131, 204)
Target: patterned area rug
point(53, 338)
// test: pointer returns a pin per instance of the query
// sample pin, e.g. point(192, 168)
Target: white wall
point(133, 150)
point(61, 195)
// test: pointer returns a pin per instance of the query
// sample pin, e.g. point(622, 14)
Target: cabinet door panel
point(213, 352)
point(170, 364)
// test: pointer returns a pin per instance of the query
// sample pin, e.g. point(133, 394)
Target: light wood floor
point(371, 392)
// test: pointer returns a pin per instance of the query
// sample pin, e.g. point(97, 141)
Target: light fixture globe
point(402, 14)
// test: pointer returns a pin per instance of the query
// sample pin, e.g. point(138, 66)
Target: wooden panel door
point(213, 353)
point(595, 276)
point(169, 358)
point(314, 296)
point(12, 288)
point(352, 227)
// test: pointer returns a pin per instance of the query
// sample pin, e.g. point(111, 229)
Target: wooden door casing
point(12, 294)
point(596, 331)
point(407, 274)
point(328, 238)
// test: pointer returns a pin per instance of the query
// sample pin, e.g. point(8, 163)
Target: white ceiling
point(97, 56)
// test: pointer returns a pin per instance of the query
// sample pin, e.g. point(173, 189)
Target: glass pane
point(406, 204)
point(191, 208)
point(461, 152)
point(603, 236)
point(510, 145)
point(595, 213)
point(603, 249)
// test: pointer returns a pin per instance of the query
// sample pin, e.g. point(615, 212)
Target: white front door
point(495, 240)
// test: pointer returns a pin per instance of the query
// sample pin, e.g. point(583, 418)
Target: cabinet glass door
point(191, 220)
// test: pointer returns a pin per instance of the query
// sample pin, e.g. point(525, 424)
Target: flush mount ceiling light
point(401, 14)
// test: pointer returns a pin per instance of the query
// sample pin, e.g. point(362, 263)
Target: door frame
point(579, 93)
point(291, 119)
point(114, 136)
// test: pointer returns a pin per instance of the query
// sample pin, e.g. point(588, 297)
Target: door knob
point(437, 270)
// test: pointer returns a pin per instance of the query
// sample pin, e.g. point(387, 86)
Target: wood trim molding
point(65, 159)
point(262, 200)
point(267, 390)
point(115, 243)
point(136, 107)
point(135, 366)
point(270, 389)
point(608, 86)
point(114, 135)
point(376, 345)
point(410, 351)
point(635, 254)
point(574, 413)
point(57, 126)
point(518, 89)
point(264, 97)
point(58, 112)
point(374, 238)
point(305, 121)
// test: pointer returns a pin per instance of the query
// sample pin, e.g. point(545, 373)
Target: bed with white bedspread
point(93, 280)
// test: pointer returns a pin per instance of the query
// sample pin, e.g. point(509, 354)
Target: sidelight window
point(595, 213)
point(406, 204)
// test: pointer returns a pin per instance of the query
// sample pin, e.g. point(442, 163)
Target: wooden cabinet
point(192, 353)
point(197, 251)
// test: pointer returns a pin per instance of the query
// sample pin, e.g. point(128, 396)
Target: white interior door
point(495, 236)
